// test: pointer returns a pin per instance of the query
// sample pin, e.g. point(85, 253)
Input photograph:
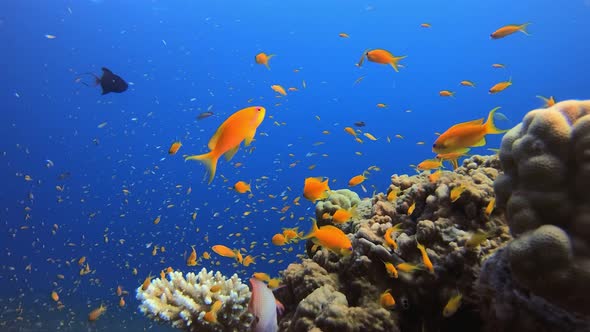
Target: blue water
point(183, 57)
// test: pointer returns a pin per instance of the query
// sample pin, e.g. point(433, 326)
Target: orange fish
point(54, 296)
point(386, 299)
point(174, 148)
point(391, 271)
point(262, 59)
point(242, 187)
point(509, 29)
point(192, 258)
point(499, 87)
point(331, 238)
point(96, 313)
point(146, 282)
point(224, 251)
point(456, 192)
point(278, 239)
point(389, 233)
point(383, 57)
point(315, 189)
point(453, 157)
point(429, 164)
point(446, 93)
point(342, 215)
point(121, 302)
point(425, 25)
point(343, 35)
point(433, 178)
point(240, 126)
point(358, 179)
point(466, 134)
point(279, 89)
point(211, 315)
point(467, 83)
point(350, 131)
point(291, 234)
point(425, 258)
point(548, 101)
point(248, 260)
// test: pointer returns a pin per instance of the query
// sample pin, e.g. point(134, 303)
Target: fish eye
point(434, 145)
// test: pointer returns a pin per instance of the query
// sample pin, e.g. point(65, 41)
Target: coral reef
point(329, 292)
point(184, 301)
point(547, 266)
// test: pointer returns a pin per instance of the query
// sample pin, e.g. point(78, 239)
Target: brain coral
point(338, 199)
point(546, 163)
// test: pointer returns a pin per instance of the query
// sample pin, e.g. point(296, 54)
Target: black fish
point(109, 82)
point(360, 123)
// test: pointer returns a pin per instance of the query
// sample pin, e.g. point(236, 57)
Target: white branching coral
point(184, 301)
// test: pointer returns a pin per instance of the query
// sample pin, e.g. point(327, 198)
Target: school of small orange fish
point(240, 128)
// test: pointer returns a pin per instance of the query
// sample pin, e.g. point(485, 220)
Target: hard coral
point(439, 224)
point(546, 160)
point(183, 302)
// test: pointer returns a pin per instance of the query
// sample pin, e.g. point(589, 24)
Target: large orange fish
point(381, 56)
point(508, 30)
point(315, 189)
point(262, 59)
point(331, 238)
point(226, 141)
point(466, 134)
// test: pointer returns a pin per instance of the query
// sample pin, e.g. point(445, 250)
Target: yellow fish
point(240, 126)
point(452, 306)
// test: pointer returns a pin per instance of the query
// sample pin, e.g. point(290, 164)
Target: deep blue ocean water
point(184, 57)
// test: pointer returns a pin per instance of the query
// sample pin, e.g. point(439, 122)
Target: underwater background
point(85, 174)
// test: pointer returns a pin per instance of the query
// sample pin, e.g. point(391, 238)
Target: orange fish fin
point(215, 137)
point(490, 126)
point(231, 153)
point(314, 229)
point(394, 62)
point(481, 142)
point(522, 28)
point(209, 160)
point(250, 137)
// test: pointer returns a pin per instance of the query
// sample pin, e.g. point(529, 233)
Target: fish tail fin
point(314, 228)
point(267, 66)
point(523, 27)
point(209, 160)
point(360, 63)
point(395, 60)
point(490, 126)
point(419, 245)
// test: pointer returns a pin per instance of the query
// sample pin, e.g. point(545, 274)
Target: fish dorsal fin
point(230, 154)
point(468, 123)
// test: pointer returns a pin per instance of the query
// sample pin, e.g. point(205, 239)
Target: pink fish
point(263, 306)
